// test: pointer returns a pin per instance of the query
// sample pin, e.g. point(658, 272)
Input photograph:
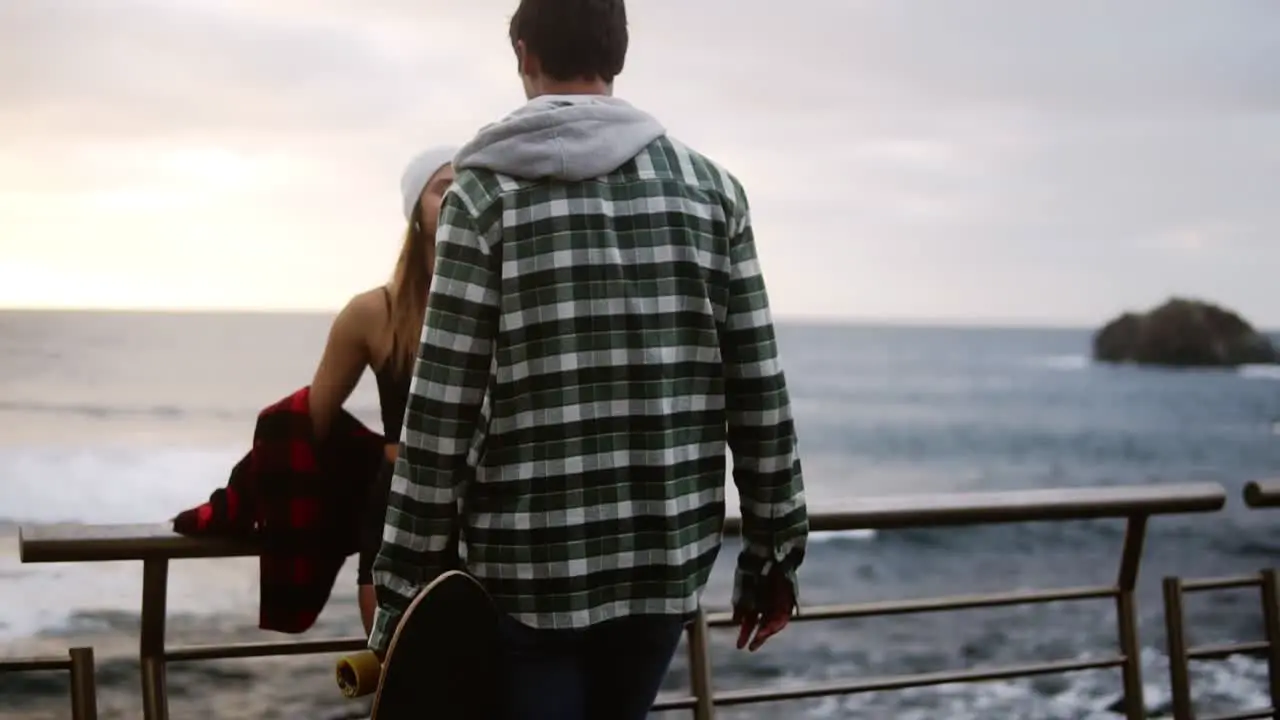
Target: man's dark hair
point(574, 39)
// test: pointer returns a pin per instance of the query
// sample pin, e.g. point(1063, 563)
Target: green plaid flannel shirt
point(588, 352)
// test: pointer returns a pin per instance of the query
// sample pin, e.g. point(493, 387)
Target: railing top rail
point(1262, 493)
point(102, 543)
point(1013, 506)
point(99, 543)
point(33, 664)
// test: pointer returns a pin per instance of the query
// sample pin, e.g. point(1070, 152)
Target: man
point(597, 331)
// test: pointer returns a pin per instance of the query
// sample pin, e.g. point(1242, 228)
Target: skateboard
point(442, 661)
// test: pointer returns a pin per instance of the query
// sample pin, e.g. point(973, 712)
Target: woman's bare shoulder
point(368, 305)
point(363, 313)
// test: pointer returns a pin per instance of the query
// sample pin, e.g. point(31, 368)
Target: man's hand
point(755, 628)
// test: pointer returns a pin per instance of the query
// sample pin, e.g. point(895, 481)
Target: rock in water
point(1183, 333)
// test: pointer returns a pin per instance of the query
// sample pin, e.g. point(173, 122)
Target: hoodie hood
point(566, 137)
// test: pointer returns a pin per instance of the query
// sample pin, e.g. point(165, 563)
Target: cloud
point(984, 159)
point(147, 67)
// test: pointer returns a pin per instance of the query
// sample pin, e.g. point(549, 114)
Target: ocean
point(131, 417)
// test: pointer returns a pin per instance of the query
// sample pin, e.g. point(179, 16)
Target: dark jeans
point(373, 517)
point(611, 671)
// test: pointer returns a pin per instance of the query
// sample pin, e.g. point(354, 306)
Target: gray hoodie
point(565, 137)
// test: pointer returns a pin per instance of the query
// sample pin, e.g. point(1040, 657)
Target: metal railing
point(1262, 494)
point(156, 546)
point(79, 662)
point(1258, 494)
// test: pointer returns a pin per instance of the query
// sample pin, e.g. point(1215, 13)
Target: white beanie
point(419, 172)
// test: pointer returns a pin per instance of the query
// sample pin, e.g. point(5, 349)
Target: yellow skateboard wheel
point(358, 674)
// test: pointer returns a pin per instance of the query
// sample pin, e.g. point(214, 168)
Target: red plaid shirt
point(301, 501)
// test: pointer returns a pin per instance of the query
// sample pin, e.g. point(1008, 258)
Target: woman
point(380, 329)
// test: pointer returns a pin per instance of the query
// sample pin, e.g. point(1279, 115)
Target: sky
point(984, 161)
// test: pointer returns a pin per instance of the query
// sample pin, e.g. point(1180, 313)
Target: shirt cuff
point(384, 626)
point(754, 577)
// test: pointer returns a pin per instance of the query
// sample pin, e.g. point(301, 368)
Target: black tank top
point(393, 389)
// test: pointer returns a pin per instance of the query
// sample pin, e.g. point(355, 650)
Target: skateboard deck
point(442, 659)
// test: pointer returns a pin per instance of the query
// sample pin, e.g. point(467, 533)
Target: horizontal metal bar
point(828, 612)
point(1245, 715)
point(101, 543)
point(902, 682)
point(941, 604)
point(36, 664)
point(675, 702)
point(1218, 652)
point(107, 543)
point(981, 508)
point(1262, 493)
point(265, 649)
point(1221, 583)
point(250, 650)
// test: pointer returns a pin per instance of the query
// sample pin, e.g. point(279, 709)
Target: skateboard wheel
point(358, 674)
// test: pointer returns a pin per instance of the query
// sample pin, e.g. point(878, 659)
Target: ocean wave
point(1083, 362)
point(102, 412)
point(113, 484)
point(125, 484)
point(1260, 372)
point(1236, 682)
point(828, 536)
point(1064, 362)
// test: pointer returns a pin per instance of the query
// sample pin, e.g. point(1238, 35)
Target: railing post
point(84, 686)
point(1271, 621)
point(1176, 639)
point(1135, 706)
point(700, 668)
point(155, 582)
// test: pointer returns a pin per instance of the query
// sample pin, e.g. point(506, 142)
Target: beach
point(132, 417)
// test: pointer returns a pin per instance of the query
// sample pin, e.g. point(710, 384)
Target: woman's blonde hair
point(409, 287)
point(412, 278)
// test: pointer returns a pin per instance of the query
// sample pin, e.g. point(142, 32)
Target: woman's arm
point(345, 356)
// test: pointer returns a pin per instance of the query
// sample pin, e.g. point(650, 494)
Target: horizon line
point(801, 319)
point(915, 321)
